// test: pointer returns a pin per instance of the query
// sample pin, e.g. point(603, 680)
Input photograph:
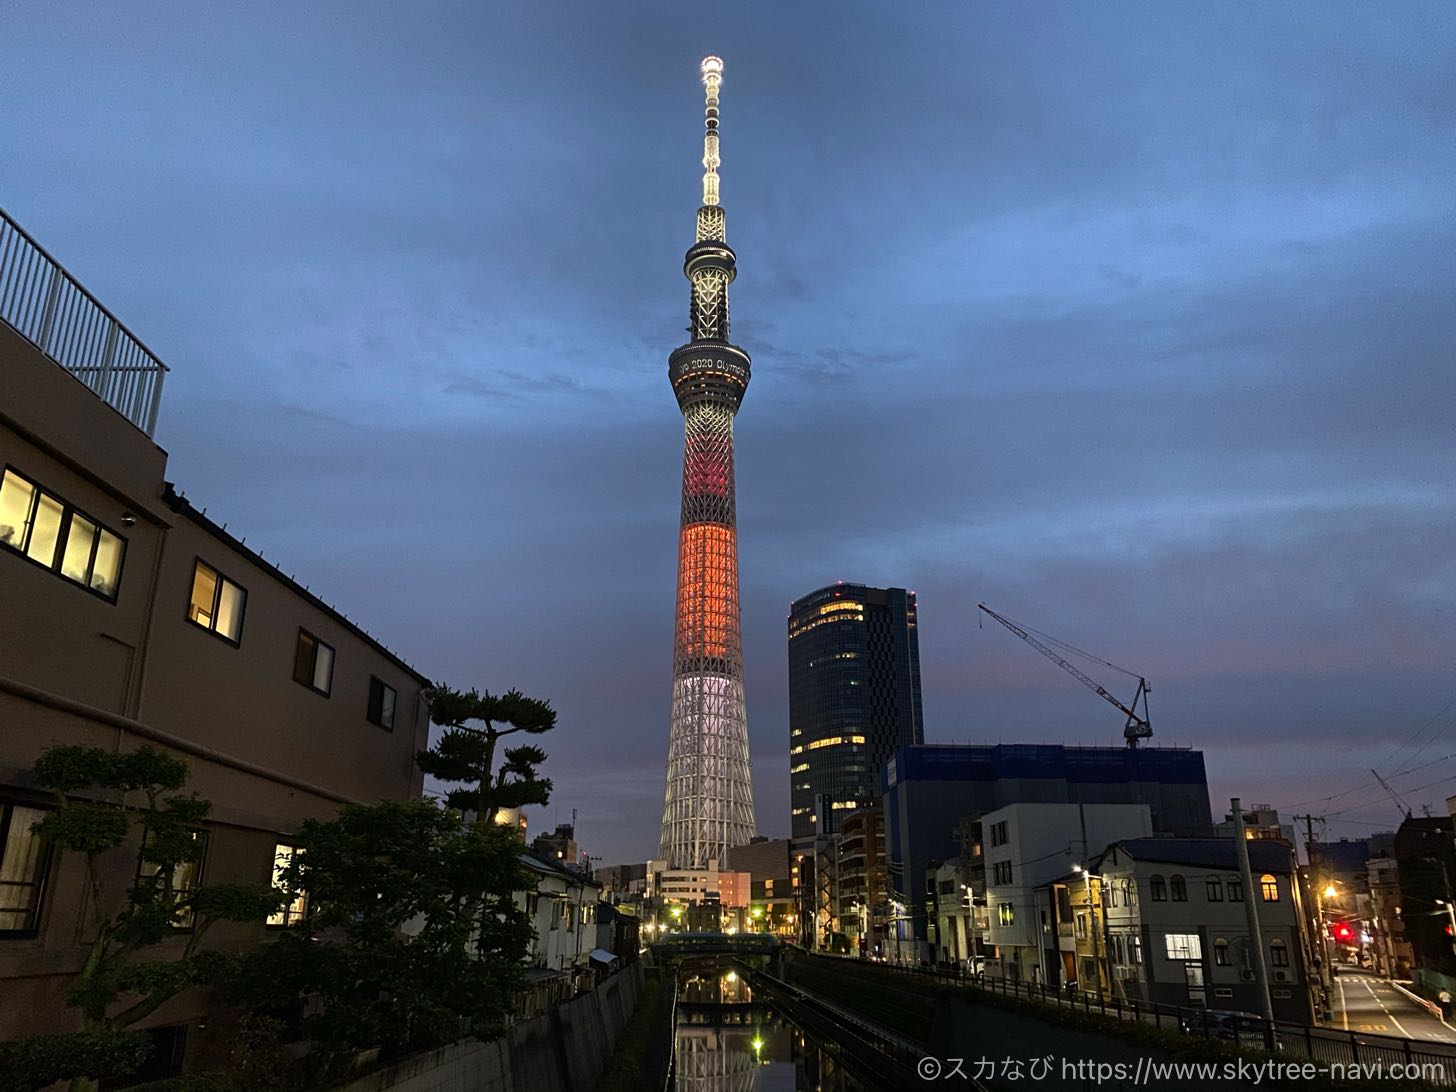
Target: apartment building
point(134, 618)
point(1177, 925)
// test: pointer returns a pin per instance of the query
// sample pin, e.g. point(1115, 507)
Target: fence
point(1289, 1040)
point(49, 308)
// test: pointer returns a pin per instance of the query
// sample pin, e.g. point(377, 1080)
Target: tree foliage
point(41, 1060)
point(412, 936)
point(465, 754)
point(104, 798)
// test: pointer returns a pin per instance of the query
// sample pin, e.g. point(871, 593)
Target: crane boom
point(1401, 804)
point(1137, 728)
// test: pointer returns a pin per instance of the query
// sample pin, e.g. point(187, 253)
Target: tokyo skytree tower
point(709, 800)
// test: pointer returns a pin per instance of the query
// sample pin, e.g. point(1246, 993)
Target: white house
point(562, 907)
point(1025, 847)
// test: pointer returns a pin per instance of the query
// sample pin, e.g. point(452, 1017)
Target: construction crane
point(1401, 804)
point(1138, 727)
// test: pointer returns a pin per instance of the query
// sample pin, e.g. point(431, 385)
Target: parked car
point(1247, 1028)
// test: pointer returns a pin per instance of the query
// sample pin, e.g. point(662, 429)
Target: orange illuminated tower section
point(709, 800)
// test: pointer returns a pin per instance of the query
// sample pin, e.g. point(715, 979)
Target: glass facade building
point(854, 697)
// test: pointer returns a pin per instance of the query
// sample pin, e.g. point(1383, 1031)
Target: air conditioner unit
point(1246, 976)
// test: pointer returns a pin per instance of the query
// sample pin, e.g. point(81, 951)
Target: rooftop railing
point(50, 309)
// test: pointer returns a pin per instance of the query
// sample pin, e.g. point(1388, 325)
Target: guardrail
point(889, 1056)
point(48, 307)
point(1288, 1040)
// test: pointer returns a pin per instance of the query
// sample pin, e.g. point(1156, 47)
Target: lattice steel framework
point(709, 799)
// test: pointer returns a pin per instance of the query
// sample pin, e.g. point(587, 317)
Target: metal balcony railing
point(50, 309)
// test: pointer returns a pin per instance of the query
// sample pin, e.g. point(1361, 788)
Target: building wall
point(87, 669)
point(930, 789)
point(1132, 910)
point(854, 677)
point(1040, 842)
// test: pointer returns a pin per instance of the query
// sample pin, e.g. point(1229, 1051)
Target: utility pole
point(1251, 911)
point(1317, 891)
point(1092, 928)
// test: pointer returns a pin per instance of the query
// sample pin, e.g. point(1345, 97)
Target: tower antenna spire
point(712, 70)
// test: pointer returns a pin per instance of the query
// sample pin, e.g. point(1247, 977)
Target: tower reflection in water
point(730, 1041)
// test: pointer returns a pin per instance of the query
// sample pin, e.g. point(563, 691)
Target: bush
point(44, 1059)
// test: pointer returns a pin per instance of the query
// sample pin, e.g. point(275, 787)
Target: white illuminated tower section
point(709, 800)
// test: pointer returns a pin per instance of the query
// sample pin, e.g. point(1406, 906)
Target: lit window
point(23, 859)
point(54, 534)
point(313, 663)
point(1006, 913)
point(1184, 946)
point(1269, 888)
point(184, 879)
point(217, 603)
point(832, 741)
point(292, 913)
point(800, 768)
point(382, 697)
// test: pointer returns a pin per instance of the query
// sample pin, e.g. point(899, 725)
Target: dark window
point(1220, 952)
point(24, 857)
point(1215, 890)
point(216, 603)
point(313, 663)
point(382, 697)
point(1178, 888)
point(1278, 953)
point(1157, 891)
point(57, 535)
point(166, 1048)
point(186, 875)
point(1235, 891)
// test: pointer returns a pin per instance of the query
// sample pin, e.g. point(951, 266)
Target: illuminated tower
point(709, 800)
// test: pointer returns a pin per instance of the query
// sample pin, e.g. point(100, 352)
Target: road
point(1365, 1002)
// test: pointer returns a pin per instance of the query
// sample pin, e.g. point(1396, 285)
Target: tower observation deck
point(709, 799)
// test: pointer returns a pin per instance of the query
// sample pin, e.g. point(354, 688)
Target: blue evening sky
point(1133, 321)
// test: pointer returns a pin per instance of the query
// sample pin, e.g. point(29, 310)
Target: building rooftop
point(1033, 761)
point(48, 307)
point(1264, 855)
point(183, 507)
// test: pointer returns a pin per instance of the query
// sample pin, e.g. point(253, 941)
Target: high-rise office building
point(708, 804)
point(854, 697)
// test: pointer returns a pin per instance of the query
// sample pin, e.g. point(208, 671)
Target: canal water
point(730, 1041)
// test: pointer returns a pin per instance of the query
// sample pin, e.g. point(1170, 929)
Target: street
point(1365, 1002)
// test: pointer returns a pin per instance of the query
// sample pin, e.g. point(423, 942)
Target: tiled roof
point(1264, 855)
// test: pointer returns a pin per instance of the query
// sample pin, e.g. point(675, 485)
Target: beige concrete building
point(131, 618)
